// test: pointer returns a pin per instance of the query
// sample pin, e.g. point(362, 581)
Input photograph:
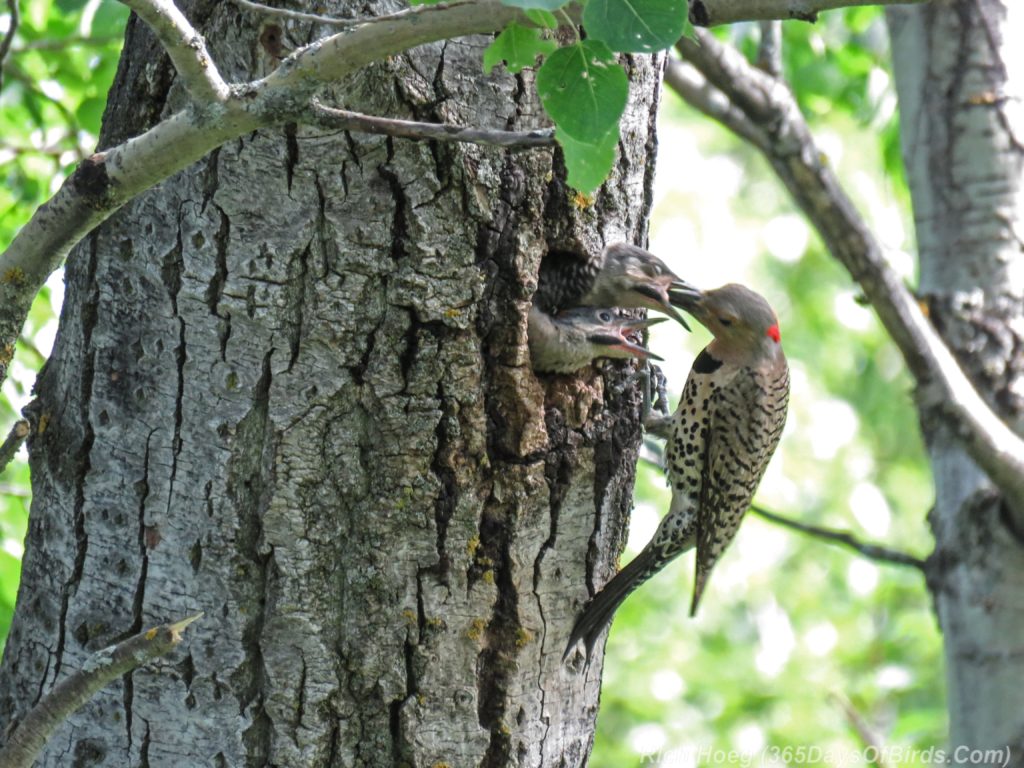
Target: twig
point(12, 30)
point(710, 13)
point(842, 538)
point(10, 446)
point(32, 733)
point(868, 736)
point(695, 90)
point(769, 49)
point(316, 18)
point(651, 453)
point(185, 46)
point(329, 117)
point(803, 168)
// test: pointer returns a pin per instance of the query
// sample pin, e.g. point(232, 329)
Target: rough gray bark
point(291, 389)
point(962, 141)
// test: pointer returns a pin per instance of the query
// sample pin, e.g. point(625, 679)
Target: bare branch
point(13, 442)
point(710, 13)
point(653, 454)
point(869, 736)
point(12, 30)
point(32, 733)
point(769, 50)
point(185, 46)
point(329, 117)
point(803, 168)
point(843, 538)
point(688, 83)
point(103, 182)
point(285, 13)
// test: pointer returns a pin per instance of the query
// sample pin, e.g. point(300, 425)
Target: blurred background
point(798, 643)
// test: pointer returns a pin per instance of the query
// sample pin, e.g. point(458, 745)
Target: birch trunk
point(291, 389)
point(960, 85)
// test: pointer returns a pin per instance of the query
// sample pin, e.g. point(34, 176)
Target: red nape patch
point(773, 334)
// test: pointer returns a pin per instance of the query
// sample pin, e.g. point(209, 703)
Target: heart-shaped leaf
point(583, 89)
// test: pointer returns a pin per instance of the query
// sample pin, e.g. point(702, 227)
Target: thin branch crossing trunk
point(291, 389)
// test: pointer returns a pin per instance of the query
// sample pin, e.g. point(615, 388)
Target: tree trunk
point(291, 389)
point(962, 141)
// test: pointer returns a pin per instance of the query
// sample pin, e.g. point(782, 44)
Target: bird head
point(633, 277)
point(608, 333)
point(742, 322)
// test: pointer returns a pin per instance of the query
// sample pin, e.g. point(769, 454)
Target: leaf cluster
point(582, 85)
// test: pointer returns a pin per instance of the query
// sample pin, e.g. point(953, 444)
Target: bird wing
point(746, 423)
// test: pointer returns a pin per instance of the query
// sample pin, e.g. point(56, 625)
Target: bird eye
point(725, 321)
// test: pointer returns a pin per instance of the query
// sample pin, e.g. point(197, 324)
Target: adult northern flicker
point(724, 431)
point(622, 275)
point(572, 339)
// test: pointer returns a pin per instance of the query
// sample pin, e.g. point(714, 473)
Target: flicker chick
point(574, 338)
point(622, 275)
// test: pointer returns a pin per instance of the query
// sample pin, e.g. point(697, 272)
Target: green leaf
point(518, 47)
point(583, 89)
point(542, 18)
point(636, 26)
point(588, 164)
point(544, 5)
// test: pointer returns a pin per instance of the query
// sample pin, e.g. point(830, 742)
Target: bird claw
point(654, 413)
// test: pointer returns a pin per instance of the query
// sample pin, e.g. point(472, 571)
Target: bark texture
point(963, 142)
point(291, 389)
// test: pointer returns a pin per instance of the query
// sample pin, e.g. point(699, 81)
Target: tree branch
point(32, 733)
point(688, 83)
point(105, 181)
point(285, 13)
point(844, 539)
point(185, 46)
point(769, 49)
point(767, 104)
point(652, 453)
point(868, 736)
point(710, 13)
point(12, 30)
point(329, 117)
point(13, 442)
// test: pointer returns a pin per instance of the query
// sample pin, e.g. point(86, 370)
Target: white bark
point(960, 106)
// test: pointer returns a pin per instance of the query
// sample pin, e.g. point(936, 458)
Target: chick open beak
point(623, 345)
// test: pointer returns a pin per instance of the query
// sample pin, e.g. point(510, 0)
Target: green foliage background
point(794, 642)
point(55, 83)
point(799, 649)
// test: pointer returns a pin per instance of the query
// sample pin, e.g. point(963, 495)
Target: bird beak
point(623, 345)
point(657, 296)
point(685, 296)
point(640, 323)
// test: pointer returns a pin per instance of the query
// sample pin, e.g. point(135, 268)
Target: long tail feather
point(599, 611)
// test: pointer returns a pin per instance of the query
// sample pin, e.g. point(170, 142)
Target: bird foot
point(654, 414)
